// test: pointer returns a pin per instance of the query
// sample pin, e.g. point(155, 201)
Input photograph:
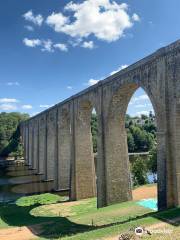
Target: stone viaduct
point(57, 142)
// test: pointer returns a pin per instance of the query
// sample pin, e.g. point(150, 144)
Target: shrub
point(139, 172)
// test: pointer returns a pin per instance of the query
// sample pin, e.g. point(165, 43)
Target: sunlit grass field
point(82, 220)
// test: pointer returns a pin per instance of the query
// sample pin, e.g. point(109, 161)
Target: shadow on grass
point(56, 227)
point(16, 216)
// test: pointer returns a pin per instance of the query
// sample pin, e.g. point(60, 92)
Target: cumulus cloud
point(61, 46)
point(12, 84)
point(32, 42)
point(47, 46)
point(119, 69)
point(7, 107)
point(139, 100)
point(135, 17)
point(36, 19)
point(34, 113)
point(141, 97)
point(106, 20)
point(142, 113)
point(8, 100)
point(57, 21)
point(27, 106)
point(29, 28)
point(89, 44)
point(143, 105)
point(140, 105)
point(92, 82)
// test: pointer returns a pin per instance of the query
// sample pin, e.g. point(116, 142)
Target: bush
point(42, 199)
point(139, 172)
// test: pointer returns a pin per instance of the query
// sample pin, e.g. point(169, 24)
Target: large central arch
point(117, 156)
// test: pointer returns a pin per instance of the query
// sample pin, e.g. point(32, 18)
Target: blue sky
point(52, 49)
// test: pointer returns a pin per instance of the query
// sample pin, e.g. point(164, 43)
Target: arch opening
point(141, 127)
point(118, 176)
point(86, 149)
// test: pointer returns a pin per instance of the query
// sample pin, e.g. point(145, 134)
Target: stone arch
point(117, 172)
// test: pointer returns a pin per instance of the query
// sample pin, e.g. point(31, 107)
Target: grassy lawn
point(82, 220)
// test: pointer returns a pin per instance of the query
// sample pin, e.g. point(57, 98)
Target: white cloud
point(8, 100)
point(141, 97)
point(44, 105)
point(69, 87)
point(105, 19)
point(57, 21)
point(12, 84)
point(36, 19)
point(135, 17)
point(92, 82)
point(29, 28)
point(32, 42)
point(47, 46)
point(142, 113)
point(27, 106)
point(75, 42)
point(143, 105)
point(35, 113)
point(61, 46)
point(140, 105)
point(119, 69)
point(7, 107)
point(89, 44)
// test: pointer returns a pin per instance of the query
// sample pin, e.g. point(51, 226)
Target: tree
point(94, 129)
point(152, 162)
point(130, 140)
point(139, 172)
point(10, 133)
point(139, 138)
point(142, 139)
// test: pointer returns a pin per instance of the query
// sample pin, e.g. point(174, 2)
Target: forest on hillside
point(141, 132)
point(10, 134)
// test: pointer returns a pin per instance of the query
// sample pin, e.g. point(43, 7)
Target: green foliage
point(139, 172)
point(94, 129)
point(42, 199)
point(10, 133)
point(131, 143)
point(141, 131)
point(143, 140)
point(152, 161)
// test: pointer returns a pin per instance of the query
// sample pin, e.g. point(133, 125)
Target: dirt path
point(17, 233)
point(145, 192)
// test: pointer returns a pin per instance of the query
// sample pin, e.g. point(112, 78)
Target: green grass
point(82, 220)
point(41, 199)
